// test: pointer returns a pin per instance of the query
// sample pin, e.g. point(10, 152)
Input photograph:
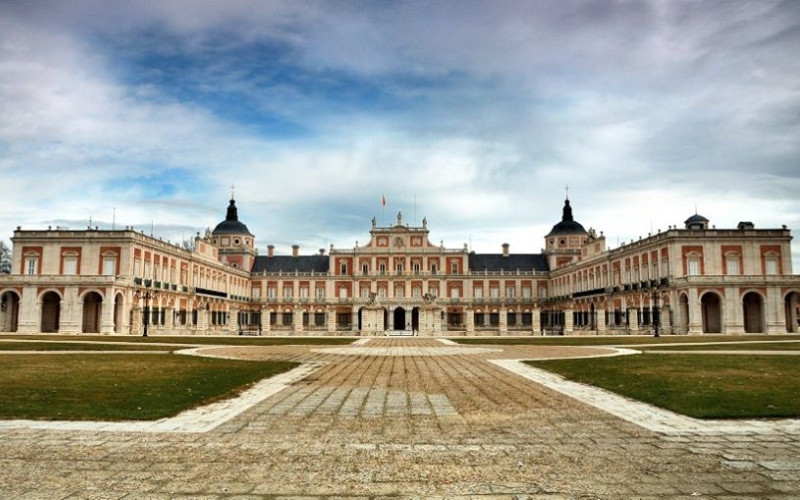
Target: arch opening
point(711, 307)
point(51, 313)
point(753, 309)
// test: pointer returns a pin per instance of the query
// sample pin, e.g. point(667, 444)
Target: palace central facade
point(694, 279)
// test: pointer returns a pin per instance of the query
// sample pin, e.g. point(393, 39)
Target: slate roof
point(290, 264)
point(497, 262)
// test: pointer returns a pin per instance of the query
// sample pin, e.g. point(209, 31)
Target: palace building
point(692, 279)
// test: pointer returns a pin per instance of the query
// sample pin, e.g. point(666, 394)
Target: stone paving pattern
point(424, 425)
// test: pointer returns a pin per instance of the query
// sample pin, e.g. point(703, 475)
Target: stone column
point(633, 320)
point(774, 311)
point(695, 313)
point(233, 321)
point(437, 321)
point(202, 320)
point(732, 312)
point(568, 322)
point(169, 318)
point(30, 311)
point(470, 319)
point(503, 326)
point(266, 327)
point(536, 320)
point(390, 317)
point(601, 320)
point(331, 317)
point(107, 315)
point(666, 322)
point(136, 320)
point(297, 317)
point(354, 319)
point(71, 319)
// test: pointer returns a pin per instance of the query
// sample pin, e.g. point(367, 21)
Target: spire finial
point(566, 188)
point(233, 192)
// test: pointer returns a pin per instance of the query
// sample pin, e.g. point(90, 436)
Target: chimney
point(295, 250)
point(322, 251)
point(270, 250)
point(505, 249)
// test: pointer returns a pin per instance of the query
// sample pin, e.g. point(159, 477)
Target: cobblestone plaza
point(409, 417)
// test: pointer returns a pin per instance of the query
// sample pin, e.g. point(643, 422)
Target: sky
point(474, 114)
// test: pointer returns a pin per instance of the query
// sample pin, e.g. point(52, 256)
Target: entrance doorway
point(753, 308)
point(712, 313)
point(51, 312)
point(792, 307)
point(399, 319)
point(9, 312)
point(683, 308)
point(92, 309)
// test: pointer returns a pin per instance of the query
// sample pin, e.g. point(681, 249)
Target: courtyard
point(405, 417)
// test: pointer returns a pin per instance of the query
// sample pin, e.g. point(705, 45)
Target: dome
point(568, 225)
point(695, 218)
point(696, 222)
point(231, 224)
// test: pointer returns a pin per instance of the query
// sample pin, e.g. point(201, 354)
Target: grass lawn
point(80, 346)
point(710, 386)
point(617, 340)
point(748, 346)
point(189, 339)
point(120, 386)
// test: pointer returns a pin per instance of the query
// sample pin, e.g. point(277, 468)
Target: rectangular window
point(732, 263)
point(364, 292)
point(31, 265)
point(454, 292)
point(343, 268)
point(365, 269)
point(304, 293)
point(342, 293)
point(526, 292)
point(257, 293)
point(772, 266)
point(510, 292)
point(494, 293)
point(382, 293)
point(693, 266)
point(454, 268)
point(433, 268)
point(399, 268)
point(287, 292)
point(400, 292)
point(416, 292)
point(271, 293)
point(382, 269)
point(416, 267)
point(109, 266)
point(478, 292)
point(71, 265)
point(320, 294)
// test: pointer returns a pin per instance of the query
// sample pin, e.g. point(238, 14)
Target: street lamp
point(146, 294)
point(656, 314)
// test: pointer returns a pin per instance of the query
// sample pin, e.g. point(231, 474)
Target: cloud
point(482, 113)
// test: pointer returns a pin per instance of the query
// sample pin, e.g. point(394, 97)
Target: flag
point(383, 200)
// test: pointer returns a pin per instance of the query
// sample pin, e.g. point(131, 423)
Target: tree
point(5, 258)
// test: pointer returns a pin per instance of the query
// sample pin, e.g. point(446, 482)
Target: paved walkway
point(402, 417)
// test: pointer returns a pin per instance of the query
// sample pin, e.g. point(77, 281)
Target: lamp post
point(656, 314)
point(146, 294)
